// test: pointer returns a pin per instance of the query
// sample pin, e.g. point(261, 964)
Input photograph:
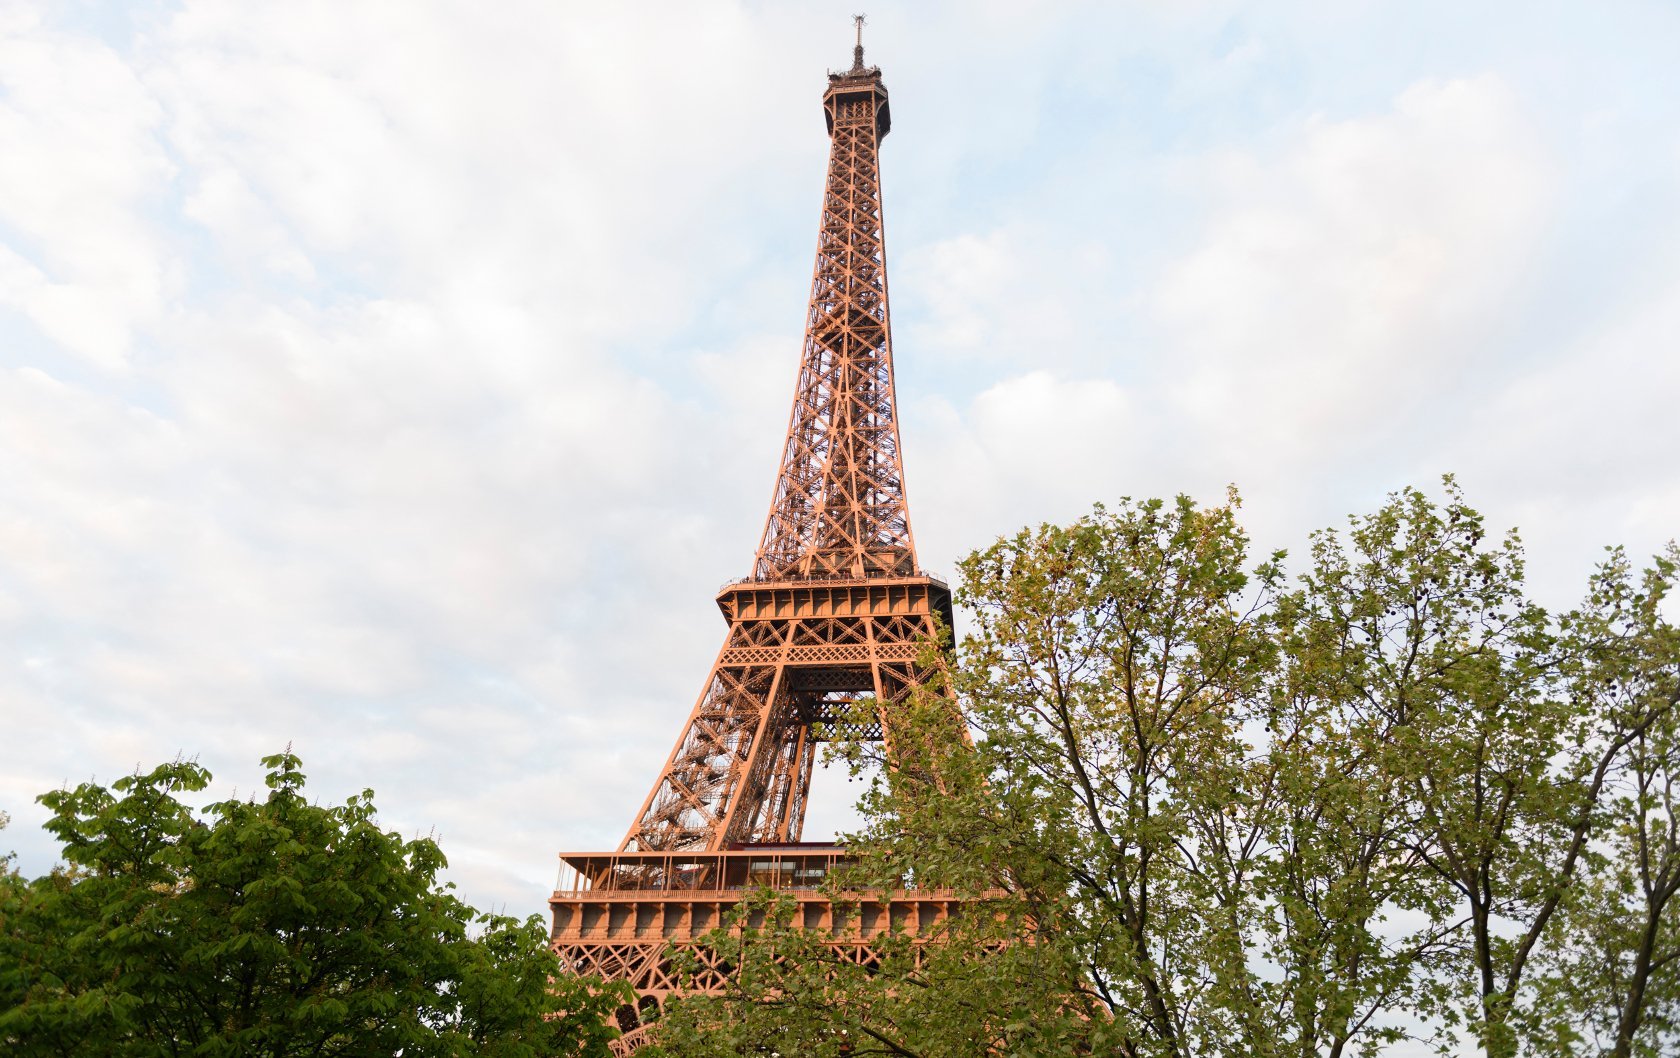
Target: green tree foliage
point(1211, 810)
point(1610, 985)
point(276, 927)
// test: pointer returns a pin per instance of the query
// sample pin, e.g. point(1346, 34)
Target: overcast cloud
point(399, 380)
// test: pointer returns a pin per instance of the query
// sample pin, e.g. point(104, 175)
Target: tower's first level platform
point(620, 915)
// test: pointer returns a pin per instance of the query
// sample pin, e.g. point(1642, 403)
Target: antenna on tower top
point(857, 50)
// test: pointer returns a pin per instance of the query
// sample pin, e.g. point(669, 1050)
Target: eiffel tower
point(836, 608)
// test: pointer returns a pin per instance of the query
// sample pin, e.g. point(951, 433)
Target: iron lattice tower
point(836, 608)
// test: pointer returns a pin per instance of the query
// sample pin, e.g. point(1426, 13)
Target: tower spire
point(857, 50)
point(839, 510)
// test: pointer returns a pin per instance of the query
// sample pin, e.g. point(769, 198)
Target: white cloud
point(80, 169)
point(401, 380)
point(1580, 447)
point(1345, 277)
point(1348, 281)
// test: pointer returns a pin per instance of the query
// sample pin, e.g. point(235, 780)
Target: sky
point(399, 381)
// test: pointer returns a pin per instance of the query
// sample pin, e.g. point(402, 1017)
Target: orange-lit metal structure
point(836, 608)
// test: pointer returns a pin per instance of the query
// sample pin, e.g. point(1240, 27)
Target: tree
point(1422, 641)
point(1504, 734)
point(1612, 983)
point(277, 927)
